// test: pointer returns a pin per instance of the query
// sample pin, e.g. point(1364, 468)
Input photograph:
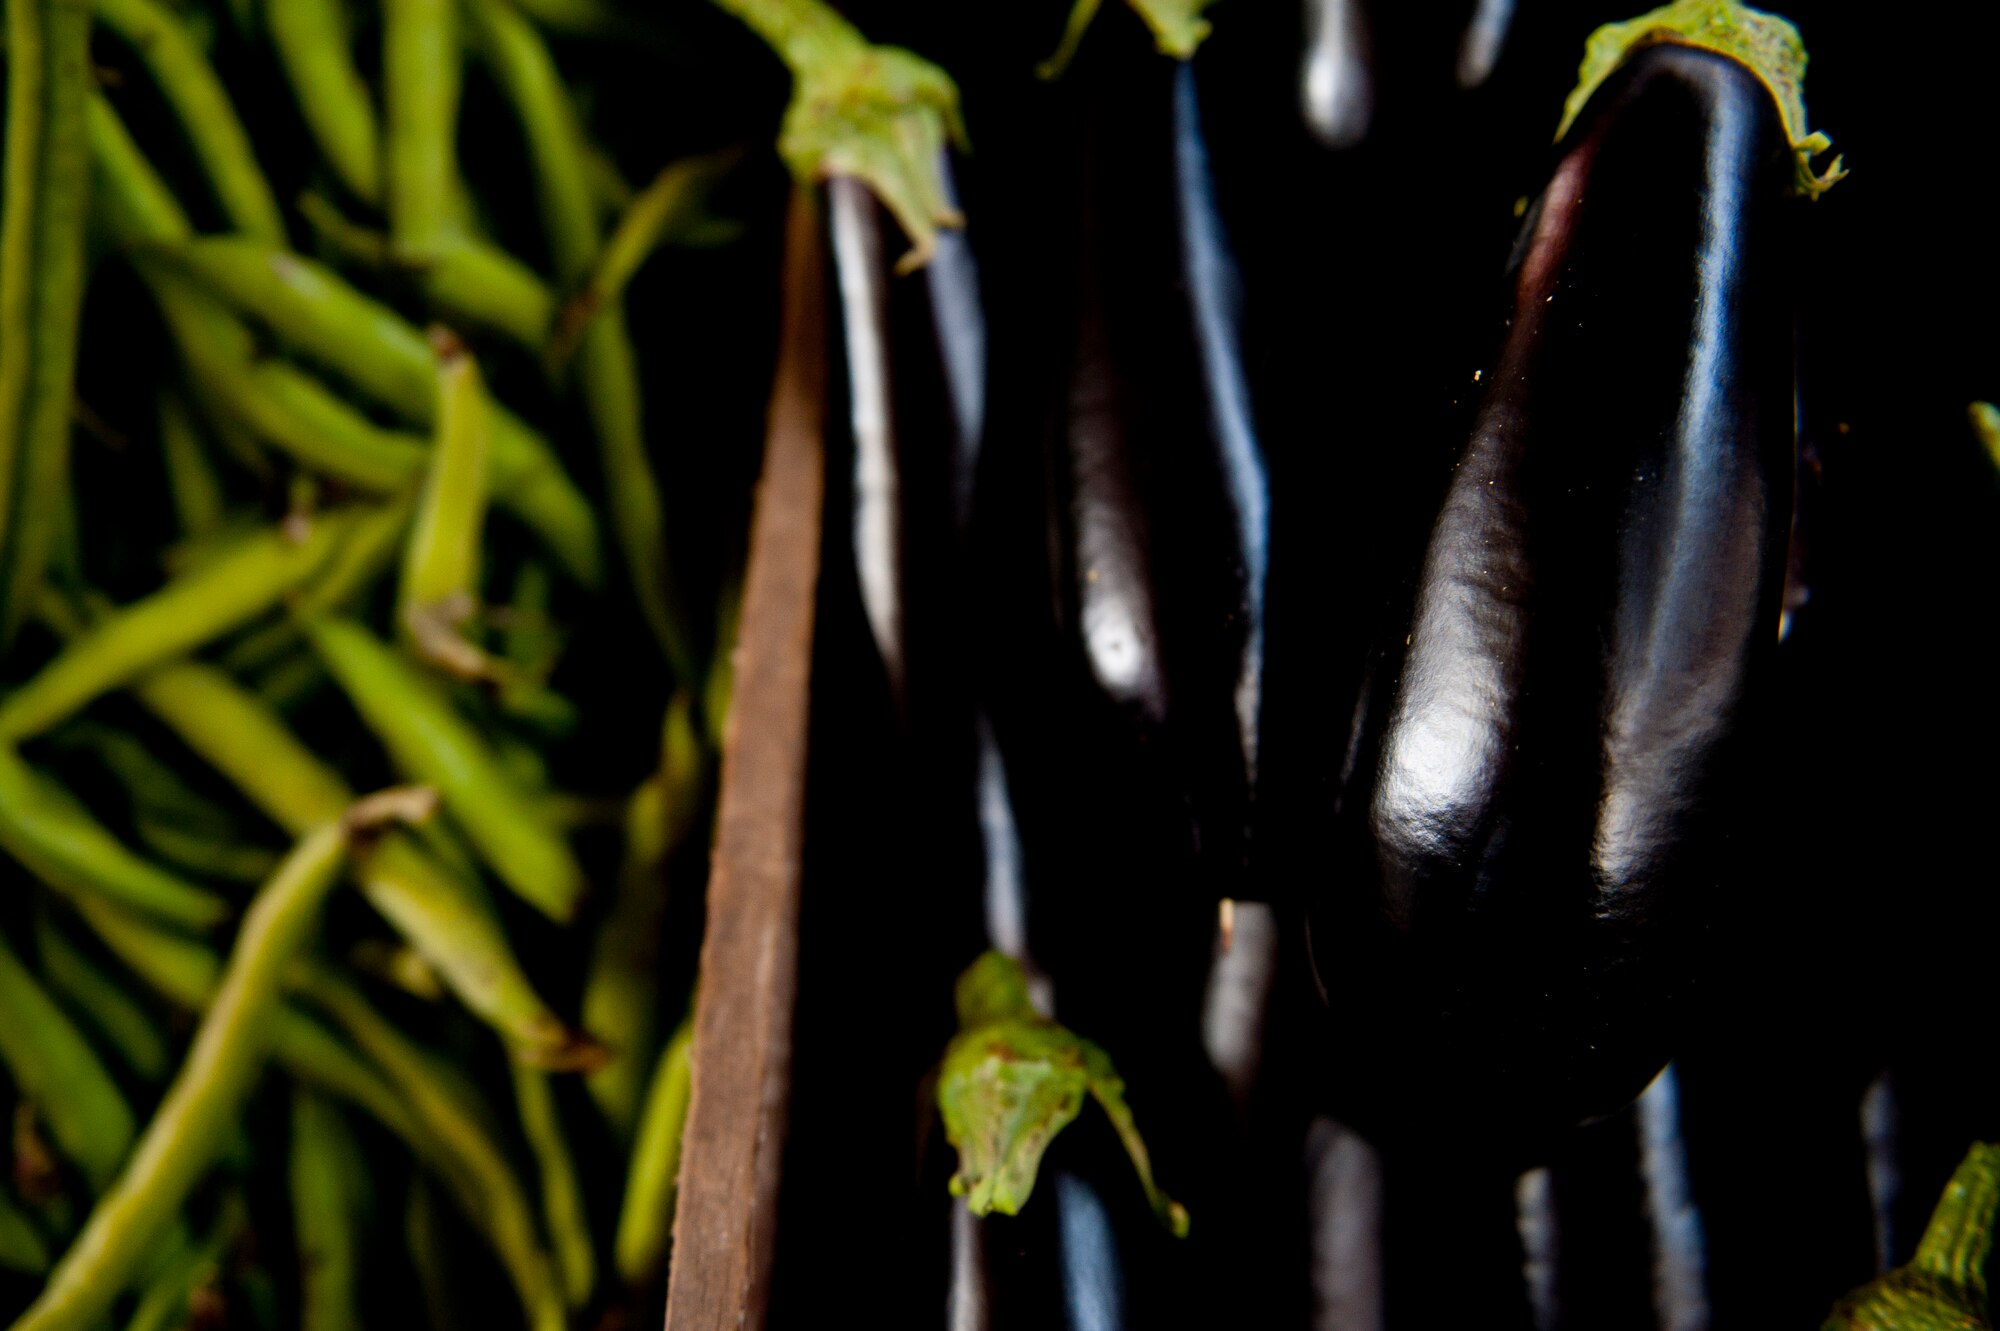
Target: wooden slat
point(725, 1221)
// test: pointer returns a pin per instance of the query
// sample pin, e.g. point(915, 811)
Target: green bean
point(468, 281)
point(279, 404)
point(192, 1122)
point(122, 1020)
point(369, 551)
point(127, 195)
point(42, 210)
point(436, 913)
point(191, 479)
point(370, 346)
point(429, 740)
point(420, 78)
point(673, 206)
point(21, 1245)
point(621, 992)
point(313, 43)
point(329, 1182)
point(607, 370)
point(646, 1219)
point(57, 840)
point(227, 591)
point(451, 1114)
point(563, 1211)
point(60, 1075)
point(440, 586)
point(203, 856)
point(189, 84)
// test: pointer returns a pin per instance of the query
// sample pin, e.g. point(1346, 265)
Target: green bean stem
point(222, 594)
point(61, 1076)
point(313, 43)
point(189, 83)
point(189, 1128)
point(429, 740)
point(646, 1219)
point(42, 209)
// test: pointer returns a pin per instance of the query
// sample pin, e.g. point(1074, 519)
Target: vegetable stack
point(336, 456)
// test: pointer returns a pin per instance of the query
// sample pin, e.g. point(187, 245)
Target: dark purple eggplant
point(1558, 771)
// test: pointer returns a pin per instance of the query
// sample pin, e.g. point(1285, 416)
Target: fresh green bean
point(186, 973)
point(621, 993)
point(436, 913)
point(184, 77)
point(646, 1219)
point(42, 210)
point(203, 856)
point(563, 1211)
point(673, 207)
point(127, 195)
point(451, 1113)
point(313, 43)
point(369, 551)
point(227, 591)
point(21, 1245)
point(61, 1076)
point(185, 1134)
point(191, 478)
point(607, 368)
point(57, 840)
point(420, 78)
point(440, 586)
point(373, 348)
point(469, 281)
point(278, 403)
point(429, 740)
point(121, 1019)
point(329, 1182)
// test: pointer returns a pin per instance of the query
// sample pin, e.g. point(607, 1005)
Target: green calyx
point(1944, 1286)
point(1178, 28)
point(1768, 44)
point(1011, 1080)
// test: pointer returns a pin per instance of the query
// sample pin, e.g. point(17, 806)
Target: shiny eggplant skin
point(1558, 769)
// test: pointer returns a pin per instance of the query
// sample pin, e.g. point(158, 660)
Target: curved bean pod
point(428, 739)
point(60, 1075)
point(564, 1213)
point(312, 41)
point(189, 83)
point(646, 1219)
point(246, 742)
point(189, 1129)
point(55, 837)
point(230, 589)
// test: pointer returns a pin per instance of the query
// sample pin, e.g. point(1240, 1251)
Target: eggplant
point(1557, 768)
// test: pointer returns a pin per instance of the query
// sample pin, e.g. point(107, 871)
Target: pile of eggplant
point(1415, 639)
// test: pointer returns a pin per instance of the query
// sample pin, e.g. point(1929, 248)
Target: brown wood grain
point(724, 1226)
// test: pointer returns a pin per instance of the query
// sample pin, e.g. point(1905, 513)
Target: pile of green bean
point(270, 539)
